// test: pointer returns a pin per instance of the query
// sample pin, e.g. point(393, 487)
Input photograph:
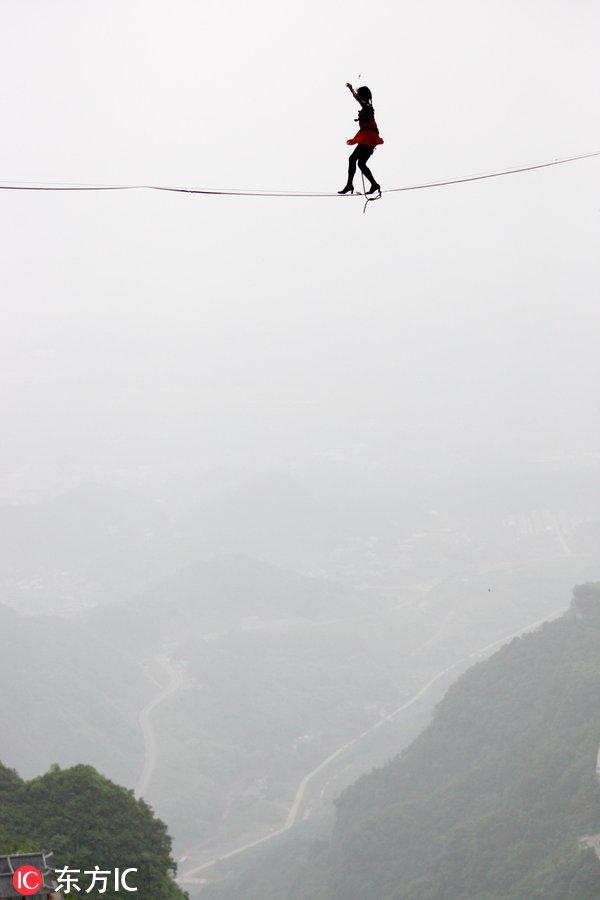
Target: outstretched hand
point(348, 85)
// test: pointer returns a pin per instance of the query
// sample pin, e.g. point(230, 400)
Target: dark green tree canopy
point(86, 820)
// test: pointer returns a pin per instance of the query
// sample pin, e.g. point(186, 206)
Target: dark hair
point(364, 93)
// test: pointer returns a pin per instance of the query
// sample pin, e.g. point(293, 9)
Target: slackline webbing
point(50, 186)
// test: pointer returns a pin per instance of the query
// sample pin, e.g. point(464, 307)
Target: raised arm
point(354, 94)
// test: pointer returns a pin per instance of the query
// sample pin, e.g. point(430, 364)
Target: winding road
point(174, 683)
point(294, 812)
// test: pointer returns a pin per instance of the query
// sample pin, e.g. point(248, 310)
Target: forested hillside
point(86, 820)
point(489, 802)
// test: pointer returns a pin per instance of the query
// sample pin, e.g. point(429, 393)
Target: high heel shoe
point(374, 189)
point(349, 189)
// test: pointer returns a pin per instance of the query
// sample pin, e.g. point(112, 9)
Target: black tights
point(360, 155)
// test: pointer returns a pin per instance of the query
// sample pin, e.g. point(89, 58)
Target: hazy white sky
point(144, 328)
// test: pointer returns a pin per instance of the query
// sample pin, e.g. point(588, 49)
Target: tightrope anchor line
point(49, 186)
point(499, 174)
point(221, 192)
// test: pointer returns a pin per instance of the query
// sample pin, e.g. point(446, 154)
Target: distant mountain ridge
point(92, 544)
point(488, 803)
point(64, 689)
point(221, 593)
point(88, 678)
point(82, 680)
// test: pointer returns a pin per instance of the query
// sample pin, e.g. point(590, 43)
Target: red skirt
point(368, 137)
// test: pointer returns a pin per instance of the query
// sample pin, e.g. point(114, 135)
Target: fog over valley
point(300, 506)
